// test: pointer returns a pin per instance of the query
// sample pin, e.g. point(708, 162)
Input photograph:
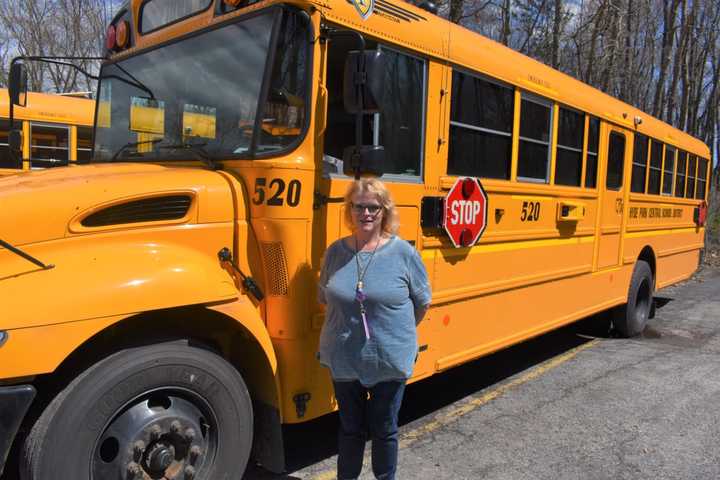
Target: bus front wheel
point(630, 319)
point(169, 411)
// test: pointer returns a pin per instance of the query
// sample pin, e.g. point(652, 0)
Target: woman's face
point(367, 212)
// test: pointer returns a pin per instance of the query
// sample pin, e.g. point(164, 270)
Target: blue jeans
point(360, 415)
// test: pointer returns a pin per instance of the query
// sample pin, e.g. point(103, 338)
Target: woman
point(376, 290)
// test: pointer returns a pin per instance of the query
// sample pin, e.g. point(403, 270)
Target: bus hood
point(63, 202)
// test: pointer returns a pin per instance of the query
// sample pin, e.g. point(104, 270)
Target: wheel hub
point(155, 438)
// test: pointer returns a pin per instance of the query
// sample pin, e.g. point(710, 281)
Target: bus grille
point(274, 260)
point(154, 209)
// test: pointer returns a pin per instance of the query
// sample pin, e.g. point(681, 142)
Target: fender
point(115, 275)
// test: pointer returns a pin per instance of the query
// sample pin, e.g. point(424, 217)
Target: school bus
point(57, 130)
point(163, 311)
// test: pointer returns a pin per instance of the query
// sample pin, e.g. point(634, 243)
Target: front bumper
point(14, 404)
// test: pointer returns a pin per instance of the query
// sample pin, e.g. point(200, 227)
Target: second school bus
point(57, 131)
point(169, 321)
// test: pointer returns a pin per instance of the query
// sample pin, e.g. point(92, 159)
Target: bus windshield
point(204, 93)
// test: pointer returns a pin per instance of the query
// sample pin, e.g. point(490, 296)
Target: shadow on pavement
point(314, 441)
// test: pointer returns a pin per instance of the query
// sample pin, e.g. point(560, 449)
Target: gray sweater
point(396, 284)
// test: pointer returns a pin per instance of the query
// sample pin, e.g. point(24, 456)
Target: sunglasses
point(370, 207)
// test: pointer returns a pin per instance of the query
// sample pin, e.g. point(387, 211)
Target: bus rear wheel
point(630, 319)
point(168, 411)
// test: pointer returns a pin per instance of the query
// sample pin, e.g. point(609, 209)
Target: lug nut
point(195, 452)
point(133, 470)
point(155, 432)
point(175, 426)
point(138, 448)
point(189, 435)
point(189, 472)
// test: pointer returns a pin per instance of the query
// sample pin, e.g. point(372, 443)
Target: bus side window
point(639, 168)
point(690, 190)
point(481, 123)
point(49, 145)
point(84, 144)
point(568, 162)
point(535, 128)
point(6, 160)
point(701, 178)
point(655, 167)
point(616, 161)
point(592, 152)
point(680, 177)
point(668, 170)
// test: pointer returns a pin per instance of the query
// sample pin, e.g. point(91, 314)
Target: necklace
point(359, 293)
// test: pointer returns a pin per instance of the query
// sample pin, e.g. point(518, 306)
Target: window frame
point(665, 171)
point(451, 123)
point(396, 177)
point(624, 137)
point(586, 147)
point(683, 175)
point(584, 130)
point(651, 149)
point(57, 126)
point(172, 22)
point(637, 136)
point(531, 97)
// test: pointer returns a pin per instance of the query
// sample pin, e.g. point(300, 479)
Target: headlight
point(3, 337)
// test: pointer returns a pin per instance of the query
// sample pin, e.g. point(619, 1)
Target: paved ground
point(563, 406)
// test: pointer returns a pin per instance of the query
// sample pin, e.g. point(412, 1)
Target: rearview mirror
point(367, 70)
point(17, 84)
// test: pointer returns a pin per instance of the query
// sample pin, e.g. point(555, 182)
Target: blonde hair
point(372, 185)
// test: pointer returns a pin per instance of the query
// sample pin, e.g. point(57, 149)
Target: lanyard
point(360, 295)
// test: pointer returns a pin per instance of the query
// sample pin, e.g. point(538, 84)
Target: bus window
point(284, 112)
point(701, 178)
point(399, 126)
point(481, 123)
point(690, 190)
point(639, 169)
point(668, 170)
point(616, 161)
point(568, 161)
point(680, 178)
point(592, 152)
point(655, 167)
point(84, 144)
point(534, 154)
point(6, 160)
point(48, 145)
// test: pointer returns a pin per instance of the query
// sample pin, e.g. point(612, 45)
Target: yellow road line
point(412, 436)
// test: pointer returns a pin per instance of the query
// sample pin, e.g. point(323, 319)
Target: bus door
point(398, 127)
point(613, 202)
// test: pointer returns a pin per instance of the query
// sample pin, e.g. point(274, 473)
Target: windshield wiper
point(134, 144)
point(199, 151)
point(26, 256)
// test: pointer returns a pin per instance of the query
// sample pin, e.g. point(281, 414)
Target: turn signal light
point(122, 34)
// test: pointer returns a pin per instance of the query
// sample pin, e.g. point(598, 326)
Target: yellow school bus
point(57, 131)
point(158, 303)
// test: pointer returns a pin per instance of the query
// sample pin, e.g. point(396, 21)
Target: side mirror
point(18, 83)
point(366, 69)
point(364, 160)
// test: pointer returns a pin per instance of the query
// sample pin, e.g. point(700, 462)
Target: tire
point(630, 319)
point(167, 410)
